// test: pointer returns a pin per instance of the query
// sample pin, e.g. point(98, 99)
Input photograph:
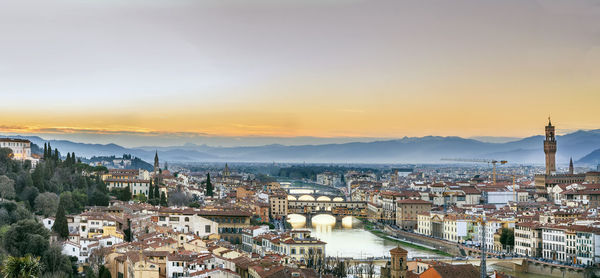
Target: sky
point(162, 71)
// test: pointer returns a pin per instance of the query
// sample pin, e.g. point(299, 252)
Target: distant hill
point(592, 158)
point(428, 149)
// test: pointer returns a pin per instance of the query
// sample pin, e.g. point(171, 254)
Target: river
point(356, 242)
point(345, 240)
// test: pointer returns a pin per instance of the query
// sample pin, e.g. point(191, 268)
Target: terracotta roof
point(455, 271)
point(14, 140)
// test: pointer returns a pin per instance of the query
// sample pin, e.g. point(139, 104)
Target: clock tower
point(550, 148)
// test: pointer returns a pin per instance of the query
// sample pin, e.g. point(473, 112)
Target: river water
point(352, 240)
point(356, 242)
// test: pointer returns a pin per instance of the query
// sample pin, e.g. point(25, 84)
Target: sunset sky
point(281, 68)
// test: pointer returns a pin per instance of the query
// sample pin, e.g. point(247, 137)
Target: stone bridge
point(322, 205)
point(315, 197)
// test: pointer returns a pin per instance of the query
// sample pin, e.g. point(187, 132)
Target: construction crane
point(514, 184)
point(492, 161)
point(482, 263)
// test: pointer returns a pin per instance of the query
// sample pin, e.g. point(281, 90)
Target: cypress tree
point(127, 194)
point(68, 159)
point(163, 199)
point(151, 191)
point(156, 191)
point(127, 231)
point(209, 187)
point(49, 155)
point(61, 227)
point(45, 150)
point(73, 160)
point(56, 154)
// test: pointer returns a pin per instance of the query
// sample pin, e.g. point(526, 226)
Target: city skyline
point(327, 69)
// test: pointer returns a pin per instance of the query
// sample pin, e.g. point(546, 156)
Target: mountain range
point(582, 146)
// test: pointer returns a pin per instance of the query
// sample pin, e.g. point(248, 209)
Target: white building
point(72, 249)
point(554, 244)
point(189, 223)
point(137, 181)
point(587, 244)
point(21, 149)
point(48, 222)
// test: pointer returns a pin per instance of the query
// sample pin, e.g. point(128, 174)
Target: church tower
point(226, 172)
point(398, 266)
point(156, 165)
point(571, 168)
point(550, 149)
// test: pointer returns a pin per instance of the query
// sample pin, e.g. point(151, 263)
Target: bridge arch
point(338, 199)
point(296, 220)
point(324, 199)
point(348, 221)
point(306, 198)
point(323, 219)
point(291, 198)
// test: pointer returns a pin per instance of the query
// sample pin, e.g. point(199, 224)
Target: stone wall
point(438, 244)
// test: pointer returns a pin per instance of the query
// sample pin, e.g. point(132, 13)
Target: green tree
point(26, 237)
point(123, 194)
point(29, 194)
point(156, 191)
point(61, 227)
point(98, 198)
point(103, 272)
point(7, 187)
point(163, 199)
point(22, 267)
point(209, 186)
point(55, 262)
point(151, 191)
point(46, 203)
point(141, 198)
point(507, 238)
point(127, 231)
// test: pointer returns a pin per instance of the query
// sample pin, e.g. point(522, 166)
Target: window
point(207, 229)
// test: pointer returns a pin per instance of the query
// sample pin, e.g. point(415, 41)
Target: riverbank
point(369, 227)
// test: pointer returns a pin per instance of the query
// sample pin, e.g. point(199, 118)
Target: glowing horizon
point(325, 69)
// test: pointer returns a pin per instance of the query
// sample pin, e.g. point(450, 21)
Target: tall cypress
point(61, 227)
point(151, 191)
point(73, 160)
point(209, 186)
point(56, 157)
point(45, 150)
point(127, 231)
point(68, 159)
point(156, 191)
point(163, 199)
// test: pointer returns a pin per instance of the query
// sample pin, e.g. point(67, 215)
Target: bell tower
point(398, 263)
point(550, 149)
point(156, 165)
